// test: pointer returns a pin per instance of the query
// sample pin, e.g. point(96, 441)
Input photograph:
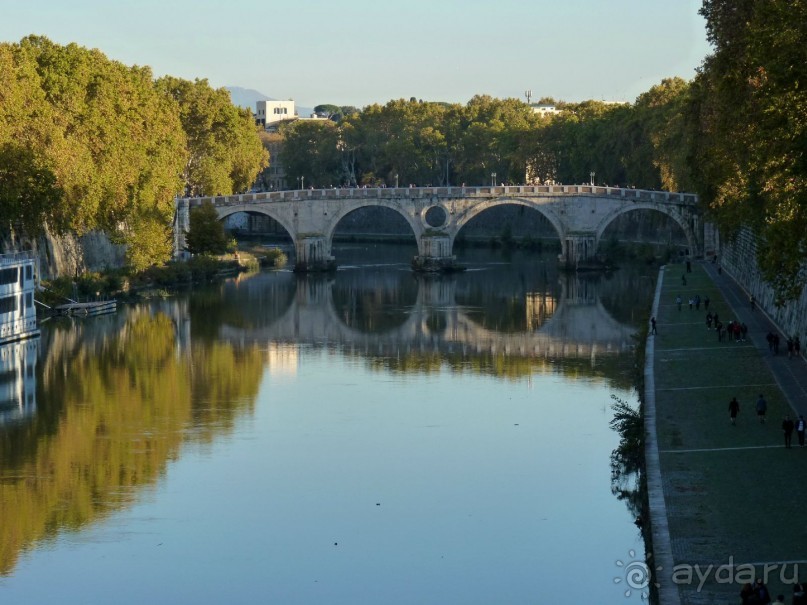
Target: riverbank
point(731, 494)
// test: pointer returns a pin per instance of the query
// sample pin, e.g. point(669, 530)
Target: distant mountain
point(246, 97)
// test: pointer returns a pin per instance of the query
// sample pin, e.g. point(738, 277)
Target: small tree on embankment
point(206, 233)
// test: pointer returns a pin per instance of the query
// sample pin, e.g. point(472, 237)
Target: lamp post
point(591, 174)
point(492, 179)
point(396, 180)
point(302, 182)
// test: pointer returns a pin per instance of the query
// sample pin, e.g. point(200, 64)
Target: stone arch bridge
point(578, 213)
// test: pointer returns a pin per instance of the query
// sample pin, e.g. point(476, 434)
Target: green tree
point(749, 108)
point(97, 135)
point(205, 232)
point(224, 152)
point(327, 110)
point(311, 151)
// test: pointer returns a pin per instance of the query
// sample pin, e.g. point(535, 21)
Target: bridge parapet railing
point(445, 192)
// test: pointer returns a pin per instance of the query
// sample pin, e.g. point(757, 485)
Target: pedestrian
point(799, 593)
point(762, 408)
point(787, 427)
point(747, 595)
point(719, 328)
point(743, 331)
point(678, 302)
point(776, 344)
point(769, 338)
point(753, 302)
point(796, 346)
point(801, 425)
point(683, 280)
point(708, 321)
point(706, 303)
point(789, 347)
point(689, 267)
point(761, 592)
point(691, 302)
point(734, 409)
point(653, 325)
point(697, 302)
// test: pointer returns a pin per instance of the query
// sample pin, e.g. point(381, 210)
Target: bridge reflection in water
point(571, 324)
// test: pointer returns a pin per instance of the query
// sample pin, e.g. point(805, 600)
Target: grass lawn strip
point(734, 494)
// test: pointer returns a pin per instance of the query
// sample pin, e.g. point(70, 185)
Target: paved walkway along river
point(733, 494)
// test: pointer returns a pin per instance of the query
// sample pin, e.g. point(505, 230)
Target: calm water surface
point(372, 437)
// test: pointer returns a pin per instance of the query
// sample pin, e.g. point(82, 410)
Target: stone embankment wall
point(68, 254)
point(739, 259)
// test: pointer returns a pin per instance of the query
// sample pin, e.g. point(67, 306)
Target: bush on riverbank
point(121, 282)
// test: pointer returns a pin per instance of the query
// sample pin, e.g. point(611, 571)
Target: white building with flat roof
point(544, 110)
point(271, 112)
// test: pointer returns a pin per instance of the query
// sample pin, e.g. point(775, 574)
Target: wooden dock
point(99, 307)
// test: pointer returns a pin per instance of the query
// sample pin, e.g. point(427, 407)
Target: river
point(367, 437)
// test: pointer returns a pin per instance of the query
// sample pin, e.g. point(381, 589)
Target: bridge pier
point(579, 251)
point(313, 254)
point(435, 255)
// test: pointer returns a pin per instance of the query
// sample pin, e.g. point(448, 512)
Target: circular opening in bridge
point(436, 216)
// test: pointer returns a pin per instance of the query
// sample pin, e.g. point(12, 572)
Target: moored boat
point(18, 277)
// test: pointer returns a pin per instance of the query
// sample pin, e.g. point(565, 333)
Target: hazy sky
point(357, 52)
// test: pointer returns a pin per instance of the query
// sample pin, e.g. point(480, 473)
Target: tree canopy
point(206, 233)
point(749, 113)
point(88, 143)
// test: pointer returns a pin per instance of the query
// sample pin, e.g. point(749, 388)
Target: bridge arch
point(461, 220)
point(335, 217)
point(226, 211)
point(673, 213)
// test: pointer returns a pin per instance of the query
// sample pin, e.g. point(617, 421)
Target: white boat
point(18, 277)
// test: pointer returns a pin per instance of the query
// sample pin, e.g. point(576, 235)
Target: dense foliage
point(495, 140)
point(88, 143)
point(749, 109)
point(206, 233)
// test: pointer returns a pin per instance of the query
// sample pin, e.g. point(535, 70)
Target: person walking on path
point(734, 409)
point(762, 408)
point(796, 346)
point(787, 427)
point(678, 302)
point(801, 425)
point(706, 303)
point(653, 325)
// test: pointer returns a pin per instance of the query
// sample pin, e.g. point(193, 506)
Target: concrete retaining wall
point(68, 254)
point(739, 259)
